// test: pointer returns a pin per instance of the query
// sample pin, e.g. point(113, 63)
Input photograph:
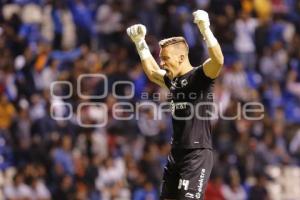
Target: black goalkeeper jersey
point(191, 106)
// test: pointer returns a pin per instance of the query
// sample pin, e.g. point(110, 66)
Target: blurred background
point(43, 41)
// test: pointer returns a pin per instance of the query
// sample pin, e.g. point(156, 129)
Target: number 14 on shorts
point(183, 183)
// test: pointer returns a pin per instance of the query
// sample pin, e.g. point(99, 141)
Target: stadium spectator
point(234, 191)
point(259, 191)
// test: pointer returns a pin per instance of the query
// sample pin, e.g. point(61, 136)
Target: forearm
point(153, 72)
point(213, 65)
point(149, 66)
point(216, 55)
point(148, 62)
point(214, 49)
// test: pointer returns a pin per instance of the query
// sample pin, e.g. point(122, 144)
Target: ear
point(181, 58)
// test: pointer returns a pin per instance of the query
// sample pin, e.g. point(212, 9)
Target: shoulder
point(199, 72)
point(198, 80)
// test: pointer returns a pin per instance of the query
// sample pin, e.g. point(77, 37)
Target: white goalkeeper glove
point(202, 20)
point(137, 34)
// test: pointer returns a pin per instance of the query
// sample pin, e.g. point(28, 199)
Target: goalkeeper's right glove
point(137, 34)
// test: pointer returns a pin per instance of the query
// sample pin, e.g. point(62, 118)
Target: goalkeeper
point(191, 158)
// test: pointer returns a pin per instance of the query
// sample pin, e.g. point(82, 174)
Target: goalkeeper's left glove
point(202, 20)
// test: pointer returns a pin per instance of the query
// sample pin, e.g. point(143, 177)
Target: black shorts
point(186, 174)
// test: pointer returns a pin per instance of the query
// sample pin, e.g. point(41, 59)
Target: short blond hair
point(171, 41)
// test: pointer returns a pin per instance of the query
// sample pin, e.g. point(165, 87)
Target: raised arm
point(213, 65)
point(154, 73)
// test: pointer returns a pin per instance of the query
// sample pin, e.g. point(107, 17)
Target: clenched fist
point(201, 19)
point(137, 32)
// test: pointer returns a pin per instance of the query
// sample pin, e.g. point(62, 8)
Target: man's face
point(170, 61)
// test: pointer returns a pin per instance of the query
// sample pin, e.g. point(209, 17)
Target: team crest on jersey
point(184, 82)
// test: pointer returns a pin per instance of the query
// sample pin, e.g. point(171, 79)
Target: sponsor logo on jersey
point(189, 195)
point(180, 106)
point(184, 83)
point(200, 185)
point(177, 106)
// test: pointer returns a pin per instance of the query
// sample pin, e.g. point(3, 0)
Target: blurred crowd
point(42, 41)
